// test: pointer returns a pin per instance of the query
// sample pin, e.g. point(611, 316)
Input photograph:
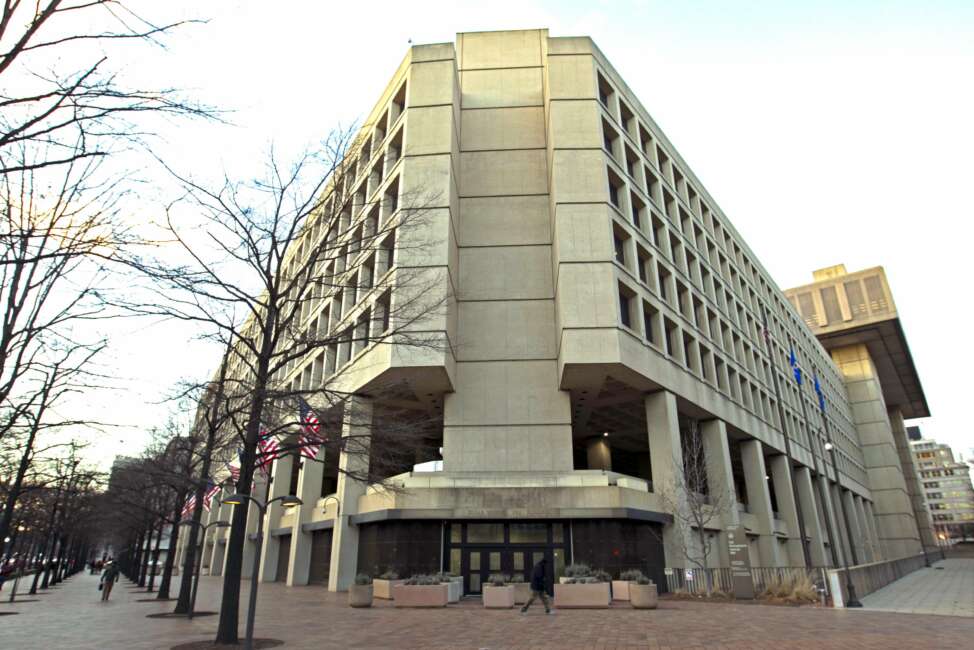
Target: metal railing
point(695, 581)
point(867, 578)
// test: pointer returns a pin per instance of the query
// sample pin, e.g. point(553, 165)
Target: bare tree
point(255, 263)
point(78, 109)
point(696, 505)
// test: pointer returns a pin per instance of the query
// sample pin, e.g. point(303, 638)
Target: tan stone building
point(604, 319)
point(945, 483)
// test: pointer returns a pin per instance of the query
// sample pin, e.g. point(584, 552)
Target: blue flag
point(793, 360)
point(821, 395)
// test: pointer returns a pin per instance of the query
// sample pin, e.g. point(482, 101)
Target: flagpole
point(822, 487)
point(830, 446)
point(784, 432)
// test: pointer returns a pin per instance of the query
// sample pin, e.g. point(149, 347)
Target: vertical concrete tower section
point(507, 413)
point(854, 317)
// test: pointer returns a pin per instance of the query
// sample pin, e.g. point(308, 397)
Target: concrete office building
point(604, 316)
point(947, 490)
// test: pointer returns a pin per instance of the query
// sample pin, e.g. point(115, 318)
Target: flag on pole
point(267, 450)
point(234, 472)
point(310, 438)
point(821, 395)
point(209, 494)
point(793, 360)
point(189, 506)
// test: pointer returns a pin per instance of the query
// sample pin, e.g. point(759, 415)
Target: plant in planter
point(360, 592)
point(454, 586)
point(498, 592)
point(642, 591)
point(620, 587)
point(384, 583)
point(421, 591)
point(583, 588)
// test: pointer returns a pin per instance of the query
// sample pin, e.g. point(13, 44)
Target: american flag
point(234, 472)
point(189, 506)
point(310, 438)
point(267, 450)
point(208, 496)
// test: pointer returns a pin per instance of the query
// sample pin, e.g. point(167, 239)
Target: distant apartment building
point(947, 489)
point(604, 317)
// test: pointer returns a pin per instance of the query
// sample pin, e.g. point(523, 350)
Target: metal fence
point(867, 578)
point(695, 581)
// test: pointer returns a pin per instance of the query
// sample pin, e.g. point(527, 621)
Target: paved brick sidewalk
point(310, 617)
point(948, 591)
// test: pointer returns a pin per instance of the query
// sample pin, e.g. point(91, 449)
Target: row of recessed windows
point(632, 153)
point(635, 196)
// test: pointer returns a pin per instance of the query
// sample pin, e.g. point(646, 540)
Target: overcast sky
point(828, 132)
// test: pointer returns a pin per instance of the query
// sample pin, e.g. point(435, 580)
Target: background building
point(947, 489)
point(607, 364)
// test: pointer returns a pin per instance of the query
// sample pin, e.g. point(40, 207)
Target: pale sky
point(828, 132)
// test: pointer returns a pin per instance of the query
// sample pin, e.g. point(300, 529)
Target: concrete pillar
point(856, 528)
point(720, 482)
point(356, 423)
point(881, 553)
point(787, 510)
point(759, 502)
point(217, 512)
point(829, 512)
point(840, 531)
point(666, 461)
point(309, 491)
point(813, 523)
point(869, 553)
point(258, 492)
point(279, 488)
point(599, 454)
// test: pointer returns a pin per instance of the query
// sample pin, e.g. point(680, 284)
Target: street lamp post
point(288, 501)
point(196, 573)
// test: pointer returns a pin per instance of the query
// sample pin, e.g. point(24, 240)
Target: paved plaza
point(947, 588)
point(71, 616)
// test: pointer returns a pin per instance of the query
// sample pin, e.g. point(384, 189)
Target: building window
point(625, 298)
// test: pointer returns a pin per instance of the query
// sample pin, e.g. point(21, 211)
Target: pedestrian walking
point(108, 579)
point(538, 587)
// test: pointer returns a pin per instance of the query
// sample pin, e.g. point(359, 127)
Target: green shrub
point(578, 570)
point(601, 576)
point(389, 575)
point(635, 575)
point(498, 579)
point(423, 579)
point(362, 579)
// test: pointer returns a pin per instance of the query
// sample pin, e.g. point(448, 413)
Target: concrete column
point(599, 454)
point(309, 491)
point(217, 554)
point(850, 508)
point(813, 524)
point(720, 481)
point(881, 553)
point(759, 502)
point(258, 492)
point(829, 512)
point(357, 424)
point(666, 461)
point(869, 554)
point(279, 488)
point(840, 531)
point(782, 478)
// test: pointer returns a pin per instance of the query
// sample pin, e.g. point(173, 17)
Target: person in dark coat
point(538, 587)
point(108, 579)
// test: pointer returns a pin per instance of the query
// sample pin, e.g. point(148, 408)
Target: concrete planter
point(360, 595)
point(522, 592)
point(620, 590)
point(594, 595)
point(498, 597)
point(454, 589)
point(643, 596)
point(420, 595)
point(383, 588)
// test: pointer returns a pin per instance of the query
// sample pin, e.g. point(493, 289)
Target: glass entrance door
point(478, 562)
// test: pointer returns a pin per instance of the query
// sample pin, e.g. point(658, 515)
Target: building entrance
point(475, 550)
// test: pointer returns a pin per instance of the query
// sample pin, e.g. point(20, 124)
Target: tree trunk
point(170, 558)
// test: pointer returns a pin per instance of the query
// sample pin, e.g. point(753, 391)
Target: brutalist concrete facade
point(603, 315)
